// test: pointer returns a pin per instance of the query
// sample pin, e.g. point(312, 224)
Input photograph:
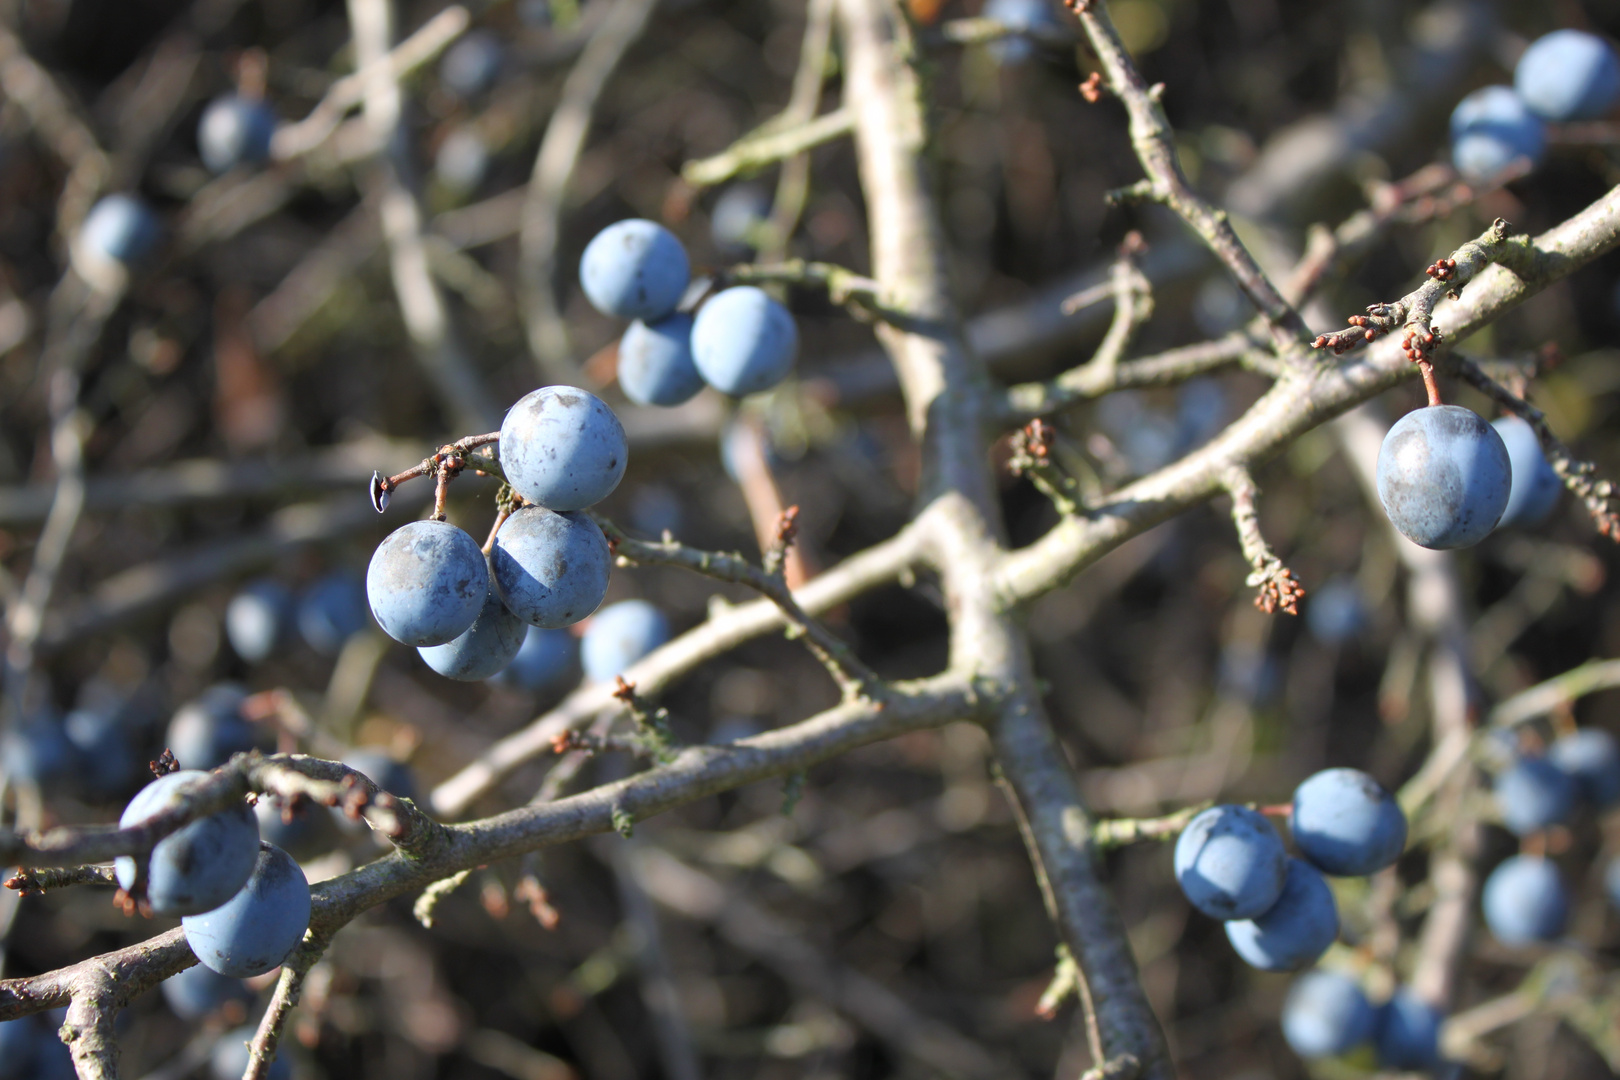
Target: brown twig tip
point(1280, 591)
point(624, 691)
point(529, 891)
point(164, 765)
point(1092, 88)
point(787, 527)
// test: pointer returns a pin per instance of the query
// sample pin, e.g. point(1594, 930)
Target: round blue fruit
point(1347, 824)
point(1231, 863)
point(484, 648)
point(1326, 1014)
point(634, 269)
point(1443, 477)
point(235, 130)
point(737, 216)
point(1021, 16)
point(1525, 901)
point(121, 228)
point(107, 765)
point(1407, 1034)
point(1535, 487)
point(744, 341)
point(37, 751)
point(260, 926)
point(545, 659)
point(1337, 612)
point(331, 611)
point(1491, 129)
point(461, 161)
point(562, 448)
point(472, 65)
point(1591, 757)
point(206, 731)
point(619, 635)
point(426, 583)
point(198, 867)
point(655, 362)
point(229, 1061)
point(1533, 795)
point(258, 618)
point(1294, 931)
point(1568, 75)
point(551, 569)
point(199, 991)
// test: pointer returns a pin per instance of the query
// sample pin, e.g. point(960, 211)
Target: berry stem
point(1430, 384)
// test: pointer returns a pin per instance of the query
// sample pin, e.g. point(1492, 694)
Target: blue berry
point(1568, 75)
point(1408, 1032)
point(461, 161)
point(634, 269)
point(551, 569)
point(121, 228)
point(655, 362)
point(1535, 487)
point(1231, 863)
point(743, 341)
point(260, 926)
point(1336, 612)
point(257, 619)
point(331, 611)
point(619, 635)
point(1294, 931)
point(1533, 795)
point(205, 732)
point(303, 830)
point(1592, 759)
point(199, 991)
point(426, 583)
point(1022, 16)
point(107, 764)
point(229, 1061)
point(1491, 129)
point(1443, 477)
point(198, 867)
point(1347, 824)
point(1326, 1014)
point(738, 213)
point(38, 751)
point(1525, 901)
point(484, 648)
point(545, 659)
point(562, 448)
point(235, 130)
point(472, 65)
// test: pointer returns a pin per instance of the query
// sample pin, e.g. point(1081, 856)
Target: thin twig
point(767, 146)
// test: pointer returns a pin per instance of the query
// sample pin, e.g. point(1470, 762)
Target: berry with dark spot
point(634, 269)
point(426, 583)
point(1231, 863)
point(1443, 477)
point(551, 569)
point(562, 448)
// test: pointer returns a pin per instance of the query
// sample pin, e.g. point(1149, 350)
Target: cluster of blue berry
point(741, 341)
point(1281, 916)
point(1565, 75)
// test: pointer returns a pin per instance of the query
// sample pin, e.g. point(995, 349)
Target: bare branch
point(767, 146)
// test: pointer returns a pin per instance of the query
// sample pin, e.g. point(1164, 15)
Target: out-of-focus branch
point(1556, 693)
point(422, 308)
point(548, 183)
point(793, 182)
point(429, 40)
point(56, 122)
point(782, 948)
point(766, 147)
